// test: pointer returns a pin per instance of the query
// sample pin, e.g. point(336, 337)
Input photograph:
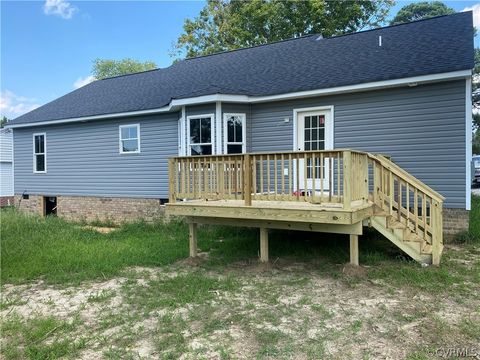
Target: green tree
point(231, 24)
point(476, 91)
point(476, 143)
point(104, 68)
point(421, 10)
point(3, 121)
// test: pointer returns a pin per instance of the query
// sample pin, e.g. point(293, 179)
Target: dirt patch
point(355, 271)
point(285, 309)
point(194, 261)
point(100, 229)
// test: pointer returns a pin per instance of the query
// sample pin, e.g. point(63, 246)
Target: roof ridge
point(396, 25)
point(130, 74)
point(326, 38)
point(251, 47)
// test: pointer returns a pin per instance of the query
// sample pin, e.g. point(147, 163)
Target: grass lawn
point(72, 292)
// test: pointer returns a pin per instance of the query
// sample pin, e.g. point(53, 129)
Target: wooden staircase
point(406, 211)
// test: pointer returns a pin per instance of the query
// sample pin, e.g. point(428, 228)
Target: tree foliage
point(476, 143)
point(3, 121)
point(421, 10)
point(476, 90)
point(104, 68)
point(231, 24)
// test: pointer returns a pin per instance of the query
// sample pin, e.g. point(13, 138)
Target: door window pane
point(314, 133)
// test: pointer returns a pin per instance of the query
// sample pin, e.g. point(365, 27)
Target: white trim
point(44, 134)
point(120, 147)
point(174, 104)
point(183, 133)
point(211, 143)
point(468, 143)
point(330, 133)
point(243, 116)
point(218, 128)
point(13, 164)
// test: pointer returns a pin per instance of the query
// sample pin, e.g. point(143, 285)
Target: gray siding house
point(405, 91)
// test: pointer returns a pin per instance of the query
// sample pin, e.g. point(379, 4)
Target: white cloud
point(476, 14)
point(60, 8)
point(12, 105)
point(83, 81)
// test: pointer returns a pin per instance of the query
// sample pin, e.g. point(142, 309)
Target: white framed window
point(234, 130)
point(40, 153)
point(129, 139)
point(199, 131)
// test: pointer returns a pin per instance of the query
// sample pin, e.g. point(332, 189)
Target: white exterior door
point(314, 132)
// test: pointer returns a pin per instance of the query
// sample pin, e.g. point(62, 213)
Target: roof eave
point(176, 104)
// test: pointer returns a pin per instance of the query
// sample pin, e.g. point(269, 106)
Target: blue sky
point(47, 47)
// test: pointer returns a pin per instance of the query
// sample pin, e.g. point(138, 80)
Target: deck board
point(325, 213)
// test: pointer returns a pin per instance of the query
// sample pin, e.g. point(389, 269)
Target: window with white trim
point(234, 133)
point(129, 139)
point(39, 153)
point(200, 135)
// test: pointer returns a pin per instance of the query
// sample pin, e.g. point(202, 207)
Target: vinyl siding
point(6, 144)
point(6, 165)
point(422, 128)
point(6, 179)
point(84, 159)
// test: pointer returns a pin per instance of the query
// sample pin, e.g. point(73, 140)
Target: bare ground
point(285, 310)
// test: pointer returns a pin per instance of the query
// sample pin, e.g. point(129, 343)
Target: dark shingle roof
point(436, 45)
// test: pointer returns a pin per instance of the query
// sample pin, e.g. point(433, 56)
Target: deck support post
point(354, 250)
point(263, 245)
point(192, 227)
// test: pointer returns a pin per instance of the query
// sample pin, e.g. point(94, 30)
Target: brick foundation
point(32, 205)
point(118, 210)
point(90, 208)
point(455, 220)
point(6, 201)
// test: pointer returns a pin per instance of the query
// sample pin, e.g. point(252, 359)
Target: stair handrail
point(436, 204)
point(407, 177)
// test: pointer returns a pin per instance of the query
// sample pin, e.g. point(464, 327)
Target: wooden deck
point(335, 191)
point(262, 210)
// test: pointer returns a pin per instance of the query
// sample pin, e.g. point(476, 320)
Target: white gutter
point(175, 103)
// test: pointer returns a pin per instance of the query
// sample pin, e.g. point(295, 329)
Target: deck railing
point(319, 177)
point(343, 177)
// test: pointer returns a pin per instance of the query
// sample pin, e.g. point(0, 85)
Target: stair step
point(393, 224)
point(410, 236)
point(380, 212)
point(427, 249)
